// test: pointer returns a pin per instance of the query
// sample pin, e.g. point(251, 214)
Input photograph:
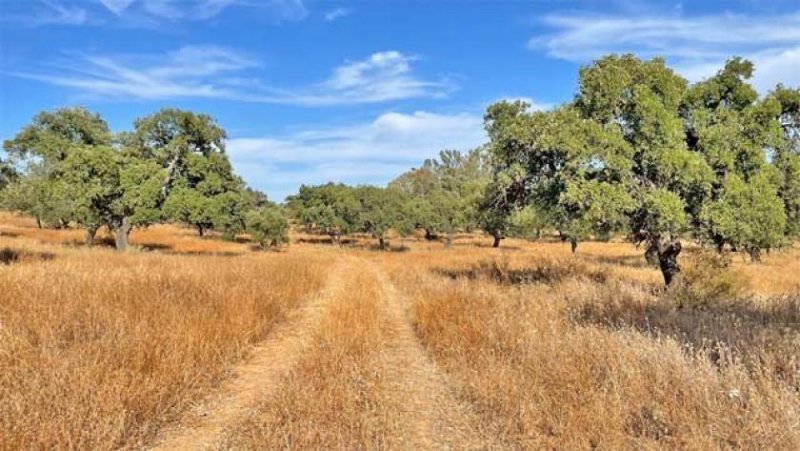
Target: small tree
point(268, 226)
point(381, 210)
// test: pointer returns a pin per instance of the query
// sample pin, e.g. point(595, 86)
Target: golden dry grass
point(522, 347)
point(98, 350)
point(589, 355)
point(335, 398)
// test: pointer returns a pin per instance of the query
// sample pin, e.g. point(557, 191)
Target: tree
point(268, 226)
point(331, 209)
point(113, 188)
point(641, 150)
point(382, 209)
point(41, 148)
point(444, 193)
point(167, 143)
point(193, 199)
point(7, 174)
point(787, 155)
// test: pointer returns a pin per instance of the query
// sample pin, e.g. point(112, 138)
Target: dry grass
point(98, 349)
point(336, 397)
point(554, 356)
point(544, 348)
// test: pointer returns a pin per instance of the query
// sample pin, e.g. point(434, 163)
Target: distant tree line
point(638, 152)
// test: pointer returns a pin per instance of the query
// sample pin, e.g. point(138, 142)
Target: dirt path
point(259, 376)
point(428, 411)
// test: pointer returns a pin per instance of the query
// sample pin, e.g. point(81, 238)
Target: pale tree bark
point(121, 234)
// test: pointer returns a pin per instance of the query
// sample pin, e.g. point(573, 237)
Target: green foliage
point(268, 226)
point(331, 209)
point(750, 216)
point(444, 193)
point(382, 209)
point(640, 150)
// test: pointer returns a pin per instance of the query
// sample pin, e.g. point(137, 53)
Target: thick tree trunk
point(668, 252)
point(121, 235)
point(200, 230)
point(755, 254)
point(573, 245)
point(497, 239)
point(651, 254)
point(381, 243)
point(90, 234)
point(38, 222)
point(430, 234)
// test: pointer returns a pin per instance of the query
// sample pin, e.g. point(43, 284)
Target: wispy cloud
point(373, 152)
point(216, 72)
point(697, 46)
point(337, 13)
point(175, 10)
point(49, 12)
point(381, 77)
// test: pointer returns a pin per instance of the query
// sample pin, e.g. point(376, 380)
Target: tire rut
point(428, 410)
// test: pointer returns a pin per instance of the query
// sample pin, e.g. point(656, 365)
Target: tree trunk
point(651, 254)
point(497, 239)
point(755, 254)
point(38, 222)
point(381, 243)
point(668, 260)
point(573, 245)
point(448, 241)
point(200, 230)
point(430, 234)
point(122, 232)
point(90, 234)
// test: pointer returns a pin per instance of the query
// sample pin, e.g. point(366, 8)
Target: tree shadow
point(542, 272)
point(746, 329)
point(9, 256)
point(630, 261)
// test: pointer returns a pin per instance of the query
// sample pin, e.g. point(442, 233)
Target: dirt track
point(421, 402)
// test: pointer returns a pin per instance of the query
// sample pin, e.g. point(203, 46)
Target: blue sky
point(312, 91)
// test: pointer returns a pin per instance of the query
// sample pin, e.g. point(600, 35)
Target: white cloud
point(382, 76)
point(697, 46)
point(373, 152)
point(337, 13)
point(216, 72)
point(186, 73)
point(175, 10)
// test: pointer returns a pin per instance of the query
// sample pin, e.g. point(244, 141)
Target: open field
point(199, 343)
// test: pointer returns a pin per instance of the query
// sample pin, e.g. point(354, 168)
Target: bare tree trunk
point(90, 234)
point(668, 252)
point(200, 230)
point(38, 222)
point(381, 243)
point(497, 239)
point(755, 254)
point(430, 234)
point(121, 235)
point(448, 241)
point(573, 245)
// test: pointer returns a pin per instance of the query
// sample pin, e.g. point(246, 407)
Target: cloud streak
point(212, 72)
point(697, 46)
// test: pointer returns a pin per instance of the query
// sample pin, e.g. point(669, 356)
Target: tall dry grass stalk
point(98, 350)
